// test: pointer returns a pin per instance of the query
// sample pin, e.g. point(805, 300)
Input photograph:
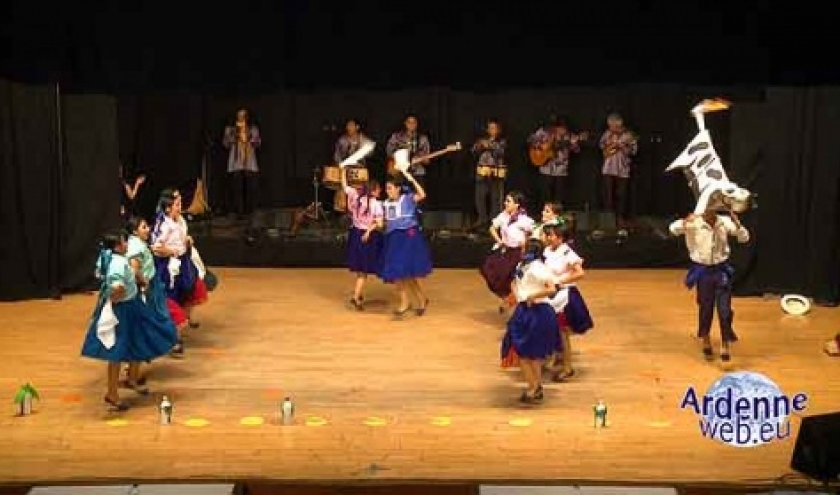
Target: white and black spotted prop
point(705, 173)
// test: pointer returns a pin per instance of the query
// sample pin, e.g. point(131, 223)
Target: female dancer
point(510, 229)
point(572, 313)
point(123, 329)
point(532, 332)
point(143, 263)
point(364, 243)
point(174, 264)
point(405, 253)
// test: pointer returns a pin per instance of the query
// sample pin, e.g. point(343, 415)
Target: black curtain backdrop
point(91, 188)
point(29, 192)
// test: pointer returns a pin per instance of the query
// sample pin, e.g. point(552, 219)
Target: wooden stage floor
point(420, 399)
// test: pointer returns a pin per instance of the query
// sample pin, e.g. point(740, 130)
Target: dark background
point(87, 86)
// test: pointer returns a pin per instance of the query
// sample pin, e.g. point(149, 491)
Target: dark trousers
point(553, 190)
point(714, 290)
point(488, 189)
point(243, 191)
point(615, 197)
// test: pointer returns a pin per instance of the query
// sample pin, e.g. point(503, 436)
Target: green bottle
point(600, 412)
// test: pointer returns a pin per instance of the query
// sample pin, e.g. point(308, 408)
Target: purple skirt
point(499, 269)
point(405, 255)
point(533, 332)
point(363, 257)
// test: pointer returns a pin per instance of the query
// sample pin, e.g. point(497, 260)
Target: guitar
point(540, 155)
point(392, 164)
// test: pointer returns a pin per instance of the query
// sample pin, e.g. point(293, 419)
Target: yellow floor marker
point(116, 422)
point(375, 421)
point(315, 421)
point(441, 421)
point(196, 422)
point(252, 421)
point(520, 422)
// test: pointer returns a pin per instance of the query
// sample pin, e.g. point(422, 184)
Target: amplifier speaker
point(817, 450)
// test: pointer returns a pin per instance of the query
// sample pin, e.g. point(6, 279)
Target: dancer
point(532, 332)
point(510, 229)
point(405, 253)
point(174, 264)
point(123, 329)
point(364, 243)
point(707, 240)
point(572, 313)
point(143, 262)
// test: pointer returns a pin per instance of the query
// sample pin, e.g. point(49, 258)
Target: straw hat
point(794, 304)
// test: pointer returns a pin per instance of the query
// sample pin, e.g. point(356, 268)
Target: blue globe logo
point(744, 409)
point(754, 388)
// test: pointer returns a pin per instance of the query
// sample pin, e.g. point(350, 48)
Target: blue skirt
point(141, 335)
point(156, 297)
point(576, 314)
point(184, 284)
point(405, 255)
point(363, 257)
point(532, 332)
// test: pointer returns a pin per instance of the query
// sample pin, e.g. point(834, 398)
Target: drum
point(501, 172)
point(332, 177)
point(484, 171)
point(357, 175)
point(340, 201)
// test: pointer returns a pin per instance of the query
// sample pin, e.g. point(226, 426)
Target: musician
point(418, 144)
point(243, 140)
point(350, 142)
point(555, 172)
point(619, 146)
point(490, 173)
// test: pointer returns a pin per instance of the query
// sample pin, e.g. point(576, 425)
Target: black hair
point(134, 223)
point(563, 231)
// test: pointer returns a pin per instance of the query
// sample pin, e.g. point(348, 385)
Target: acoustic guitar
point(392, 164)
point(540, 155)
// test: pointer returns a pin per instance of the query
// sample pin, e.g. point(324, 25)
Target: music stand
point(315, 211)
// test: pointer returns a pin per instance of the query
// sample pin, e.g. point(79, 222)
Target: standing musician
point(242, 139)
point(558, 143)
point(490, 173)
point(418, 144)
point(619, 145)
point(350, 142)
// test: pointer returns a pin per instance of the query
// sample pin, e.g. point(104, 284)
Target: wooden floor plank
point(269, 333)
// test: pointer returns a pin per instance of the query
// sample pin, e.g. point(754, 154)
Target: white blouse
point(514, 234)
point(534, 279)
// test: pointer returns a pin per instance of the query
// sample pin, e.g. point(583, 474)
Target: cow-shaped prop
point(705, 173)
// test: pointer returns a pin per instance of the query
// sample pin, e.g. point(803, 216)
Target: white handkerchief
point(106, 326)
point(174, 268)
point(356, 157)
point(199, 263)
point(401, 161)
point(559, 301)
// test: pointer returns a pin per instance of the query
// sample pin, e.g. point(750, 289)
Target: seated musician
point(418, 145)
point(554, 173)
point(490, 173)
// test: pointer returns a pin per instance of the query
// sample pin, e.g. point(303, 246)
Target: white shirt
point(513, 234)
point(709, 245)
point(534, 279)
point(561, 261)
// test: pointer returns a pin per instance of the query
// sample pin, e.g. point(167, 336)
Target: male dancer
point(707, 239)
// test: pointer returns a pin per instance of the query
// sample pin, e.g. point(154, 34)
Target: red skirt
point(176, 312)
point(198, 295)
